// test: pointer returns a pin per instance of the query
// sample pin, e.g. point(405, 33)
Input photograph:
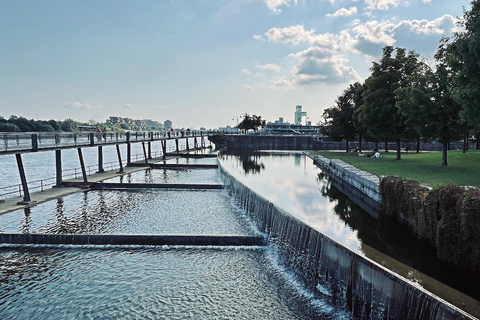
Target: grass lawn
point(463, 168)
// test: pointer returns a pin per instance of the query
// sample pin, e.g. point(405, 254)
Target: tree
point(427, 101)
point(466, 62)
point(251, 122)
point(340, 122)
point(379, 111)
point(69, 125)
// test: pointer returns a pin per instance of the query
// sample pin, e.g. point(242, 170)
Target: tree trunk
point(465, 143)
point(360, 143)
point(386, 146)
point(376, 146)
point(346, 145)
point(418, 145)
point(444, 152)
point(399, 156)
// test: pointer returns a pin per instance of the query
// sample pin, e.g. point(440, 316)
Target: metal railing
point(72, 173)
point(37, 141)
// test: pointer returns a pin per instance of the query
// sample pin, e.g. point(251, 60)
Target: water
point(149, 283)
point(293, 183)
point(164, 282)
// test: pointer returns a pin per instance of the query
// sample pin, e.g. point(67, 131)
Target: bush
point(447, 216)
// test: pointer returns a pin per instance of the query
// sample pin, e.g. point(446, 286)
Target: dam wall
point(348, 280)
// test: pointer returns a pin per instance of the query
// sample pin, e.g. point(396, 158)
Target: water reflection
point(308, 194)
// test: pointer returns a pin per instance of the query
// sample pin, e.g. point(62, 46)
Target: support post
point(203, 142)
point(176, 144)
point(188, 147)
point(82, 165)
point(23, 178)
point(129, 150)
point(58, 165)
point(119, 155)
point(150, 149)
point(164, 149)
point(195, 143)
point(145, 152)
point(100, 159)
point(34, 142)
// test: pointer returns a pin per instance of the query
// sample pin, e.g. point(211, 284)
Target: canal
point(178, 282)
point(157, 282)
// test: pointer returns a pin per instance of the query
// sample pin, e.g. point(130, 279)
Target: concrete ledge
point(103, 239)
point(178, 166)
point(131, 186)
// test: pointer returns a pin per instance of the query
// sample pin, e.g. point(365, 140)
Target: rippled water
point(150, 283)
point(66, 282)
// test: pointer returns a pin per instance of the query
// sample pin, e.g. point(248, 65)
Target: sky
point(201, 63)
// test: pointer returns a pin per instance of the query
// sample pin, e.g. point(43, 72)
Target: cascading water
point(348, 280)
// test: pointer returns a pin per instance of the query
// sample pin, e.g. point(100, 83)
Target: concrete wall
point(360, 186)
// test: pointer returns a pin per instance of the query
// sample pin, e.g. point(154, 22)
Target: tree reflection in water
point(397, 240)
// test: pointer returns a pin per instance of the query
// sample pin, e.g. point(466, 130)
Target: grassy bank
point(463, 168)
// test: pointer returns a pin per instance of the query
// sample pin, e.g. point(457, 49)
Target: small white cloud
point(246, 71)
point(383, 5)
point(87, 105)
point(269, 67)
point(129, 106)
point(281, 82)
point(275, 5)
point(343, 12)
point(293, 34)
point(257, 37)
point(249, 87)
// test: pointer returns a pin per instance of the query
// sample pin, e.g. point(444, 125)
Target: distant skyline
point(201, 63)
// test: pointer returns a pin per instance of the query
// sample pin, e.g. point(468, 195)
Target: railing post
point(145, 152)
point(82, 165)
point(92, 138)
point(176, 144)
point(129, 150)
point(58, 166)
point(164, 148)
point(23, 178)
point(34, 142)
point(119, 159)
point(100, 159)
point(188, 147)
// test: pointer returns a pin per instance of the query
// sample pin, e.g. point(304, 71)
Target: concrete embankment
point(360, 186)
point(351, 281)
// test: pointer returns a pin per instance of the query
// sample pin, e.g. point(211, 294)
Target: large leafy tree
point(340, 122)
point(466, 62)
point(427, 101)
point(379, 112)
point(251, 122)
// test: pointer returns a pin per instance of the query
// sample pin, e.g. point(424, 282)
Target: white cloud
point(87, 105)
point(343, 12)
point(129, 106)
point(281, 82)
point(269, 67)
point(257, 37)
point(293, 34)
point(275, 5)
point(245, 71)
point(439, 26)
point(318, 66)
point(383, 5)
point(249, 87)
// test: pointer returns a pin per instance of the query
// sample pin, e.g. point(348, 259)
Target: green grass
point(463, 168)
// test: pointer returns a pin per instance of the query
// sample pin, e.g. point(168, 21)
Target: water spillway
point(335, 268)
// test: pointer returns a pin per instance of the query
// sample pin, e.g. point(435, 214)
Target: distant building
point(167, 124)
point(299, 115)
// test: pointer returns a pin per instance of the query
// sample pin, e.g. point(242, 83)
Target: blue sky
point(201, 62)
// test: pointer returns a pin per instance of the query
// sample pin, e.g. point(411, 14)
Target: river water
point(196, 282)
point(151, 282)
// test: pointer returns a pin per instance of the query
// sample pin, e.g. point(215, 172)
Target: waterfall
point(350, 281)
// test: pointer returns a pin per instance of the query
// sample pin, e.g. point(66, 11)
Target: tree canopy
point(251, 122)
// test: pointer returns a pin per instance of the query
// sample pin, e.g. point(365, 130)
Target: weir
point(350, 281)
point(138, 240)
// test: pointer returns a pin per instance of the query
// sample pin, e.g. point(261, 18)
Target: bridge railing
point(72, 173)
point(36, 141)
